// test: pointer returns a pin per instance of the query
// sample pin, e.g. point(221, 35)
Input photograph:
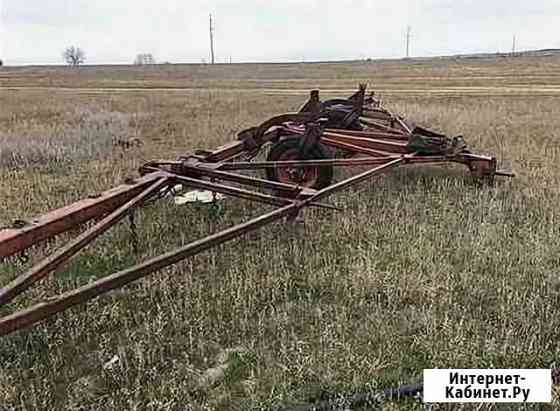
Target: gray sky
point(114, 31)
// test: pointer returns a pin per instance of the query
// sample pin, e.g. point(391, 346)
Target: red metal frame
point(383, 145)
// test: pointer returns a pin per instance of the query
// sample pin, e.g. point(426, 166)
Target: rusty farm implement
point(305, 147)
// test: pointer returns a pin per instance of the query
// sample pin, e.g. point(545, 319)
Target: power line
point(211, 41)
point(408, 34)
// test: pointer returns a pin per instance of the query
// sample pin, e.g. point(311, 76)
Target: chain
point(133, 232)
point(216, 209)
point(23, 257)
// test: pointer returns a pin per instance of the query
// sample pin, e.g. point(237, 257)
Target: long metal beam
point(340, 162)
point(380, 135)
point(377, 125)
point(391, 146)
point(353, 180)
point(119, 279)
point(354, 148)
point(212, 171)
point(15, 240)
point(39, 271)
point(239, 192)
point(231, 191)
point(41, 311)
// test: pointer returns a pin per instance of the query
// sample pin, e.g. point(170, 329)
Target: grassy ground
point(423, 269)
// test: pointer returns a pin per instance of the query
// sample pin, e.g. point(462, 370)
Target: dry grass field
point(422, 269)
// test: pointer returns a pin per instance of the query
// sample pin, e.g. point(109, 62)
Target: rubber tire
point(319, 152)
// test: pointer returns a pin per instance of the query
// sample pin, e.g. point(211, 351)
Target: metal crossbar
point(298, 175)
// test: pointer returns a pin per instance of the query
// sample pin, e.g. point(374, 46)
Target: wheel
point(311, 177)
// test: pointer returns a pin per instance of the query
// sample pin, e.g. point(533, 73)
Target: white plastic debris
point(112, 363)
point(198, 196)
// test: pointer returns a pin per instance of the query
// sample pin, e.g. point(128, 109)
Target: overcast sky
point(114, 31)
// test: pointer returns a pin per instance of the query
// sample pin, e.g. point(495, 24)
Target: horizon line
point(518, 53)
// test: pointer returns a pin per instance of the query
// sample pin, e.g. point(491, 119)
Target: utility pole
point(513, 45)
point(211, 41)
point(408, 33)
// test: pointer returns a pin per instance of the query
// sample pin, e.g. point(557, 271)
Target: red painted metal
point(41, 311)
point(382, 137)
point(340, 162)
point(352, 148)
point(24, 281)
point(15, 240)
point(388, 146)
point(203, 170)
point(390, 135)
point(307, 177)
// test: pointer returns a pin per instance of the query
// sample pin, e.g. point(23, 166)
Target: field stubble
point(423, 269)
